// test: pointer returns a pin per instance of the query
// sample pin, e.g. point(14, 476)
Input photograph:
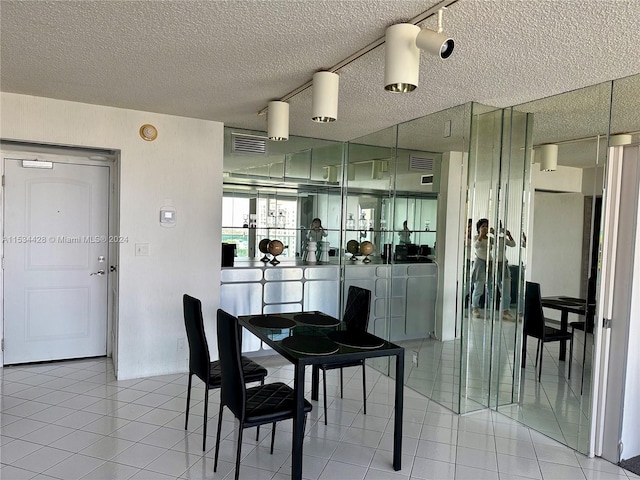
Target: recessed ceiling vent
point(249, 145)
point(423, 164)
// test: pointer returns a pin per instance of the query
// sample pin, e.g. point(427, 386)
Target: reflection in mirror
point(275, 191)
point(561, 256)
point(414, 197)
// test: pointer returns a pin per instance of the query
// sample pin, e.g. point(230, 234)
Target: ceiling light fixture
point(278, 121)
point(620, 139)
point(401, 58)
point(402, 55)
point(324, 106)
point(548, 155)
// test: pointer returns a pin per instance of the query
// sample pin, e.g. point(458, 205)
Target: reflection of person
point(316, 231)
point(467, 256)
point(405, 234)
point(504, 274)
point(482, 243)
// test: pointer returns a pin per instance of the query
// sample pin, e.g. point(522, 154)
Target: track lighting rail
point(372, 46)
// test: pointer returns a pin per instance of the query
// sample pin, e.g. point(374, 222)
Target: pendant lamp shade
point(548, 157)
point(401, 58)
point(618, 140)
point(325, 97)
point(278, 121)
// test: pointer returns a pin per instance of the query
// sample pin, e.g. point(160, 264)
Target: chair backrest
point(233, 390)
point(198, 349)
point(533, 313)
point(356, 311)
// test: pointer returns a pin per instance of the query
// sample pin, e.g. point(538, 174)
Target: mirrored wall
point(401, 211)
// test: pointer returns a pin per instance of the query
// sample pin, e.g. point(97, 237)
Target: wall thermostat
point(167, 216)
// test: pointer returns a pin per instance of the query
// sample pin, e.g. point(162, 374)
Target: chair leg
point(341, 382)
point(273, 436)
point(258, 427)
point(324, 393)
point(364, 389)
point(584, 359)
point(206, 409)
point(540, 366)
point(537, 353)
point(238, 452)
point(570, 353)
point(186, 420)
point(215, 461)
point(524, 352)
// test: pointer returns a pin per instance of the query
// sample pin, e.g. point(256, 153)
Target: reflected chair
point(200, 363)
point(587, 325)
point(253, 406)
point(356, 317)
point(535, 326)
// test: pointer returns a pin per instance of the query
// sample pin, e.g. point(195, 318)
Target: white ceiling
point(224, 60)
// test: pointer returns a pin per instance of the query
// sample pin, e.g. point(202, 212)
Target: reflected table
point(312, 347)
point(566, 305)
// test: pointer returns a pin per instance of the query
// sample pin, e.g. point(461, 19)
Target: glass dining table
point(313, 338)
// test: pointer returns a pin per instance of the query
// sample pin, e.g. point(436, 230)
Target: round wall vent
point(148, 132)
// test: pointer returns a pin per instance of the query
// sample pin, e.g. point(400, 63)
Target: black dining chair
point(587, 325)
point(253, 406)
point(535, 326)
point(356, 318)
point(200, 363)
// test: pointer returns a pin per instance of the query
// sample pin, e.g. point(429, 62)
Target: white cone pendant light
point(325, 97)
point(278, 121)
point(548, 157)
point(401, 58)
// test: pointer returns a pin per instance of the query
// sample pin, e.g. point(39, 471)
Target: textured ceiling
point(224, 60)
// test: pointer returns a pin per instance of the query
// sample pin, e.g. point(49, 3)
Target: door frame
point(81, 156)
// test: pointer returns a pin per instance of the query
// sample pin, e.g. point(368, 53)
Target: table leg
point(298, 424)
point(564, 323)
point(397, 427)
point(315, 380)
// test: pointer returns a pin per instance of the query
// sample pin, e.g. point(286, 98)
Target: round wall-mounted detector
point(148, 132)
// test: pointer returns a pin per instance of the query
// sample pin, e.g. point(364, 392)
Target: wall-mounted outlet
point(142, 249)
point(414, 358)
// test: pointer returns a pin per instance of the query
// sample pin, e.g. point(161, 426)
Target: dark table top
point(569, 304)
point(314, 339)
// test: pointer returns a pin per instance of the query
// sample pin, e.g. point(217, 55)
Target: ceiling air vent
point(249, 145)
point(426, 180)
point(424, 164)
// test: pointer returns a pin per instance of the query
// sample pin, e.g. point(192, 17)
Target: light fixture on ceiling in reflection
point(619, 140)
point(324, 106)
point(403, 43)
point(330, 173)
point(548, 156)
point(278, 121)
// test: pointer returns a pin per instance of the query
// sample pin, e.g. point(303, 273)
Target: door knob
point(99, 273)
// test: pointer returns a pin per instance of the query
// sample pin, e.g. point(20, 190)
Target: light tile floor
point(74, 420)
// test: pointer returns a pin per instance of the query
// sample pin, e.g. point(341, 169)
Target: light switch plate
point(142, 249)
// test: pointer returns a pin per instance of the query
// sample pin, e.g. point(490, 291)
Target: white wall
point(182, 168)
point(556, 243)
point(450, 243)
point(631, 403)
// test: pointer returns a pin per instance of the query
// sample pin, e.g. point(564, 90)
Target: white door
point(56, 261)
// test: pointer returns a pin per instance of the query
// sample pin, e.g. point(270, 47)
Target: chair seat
point(253, 372)
point(271, 403)
point(551, 334)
